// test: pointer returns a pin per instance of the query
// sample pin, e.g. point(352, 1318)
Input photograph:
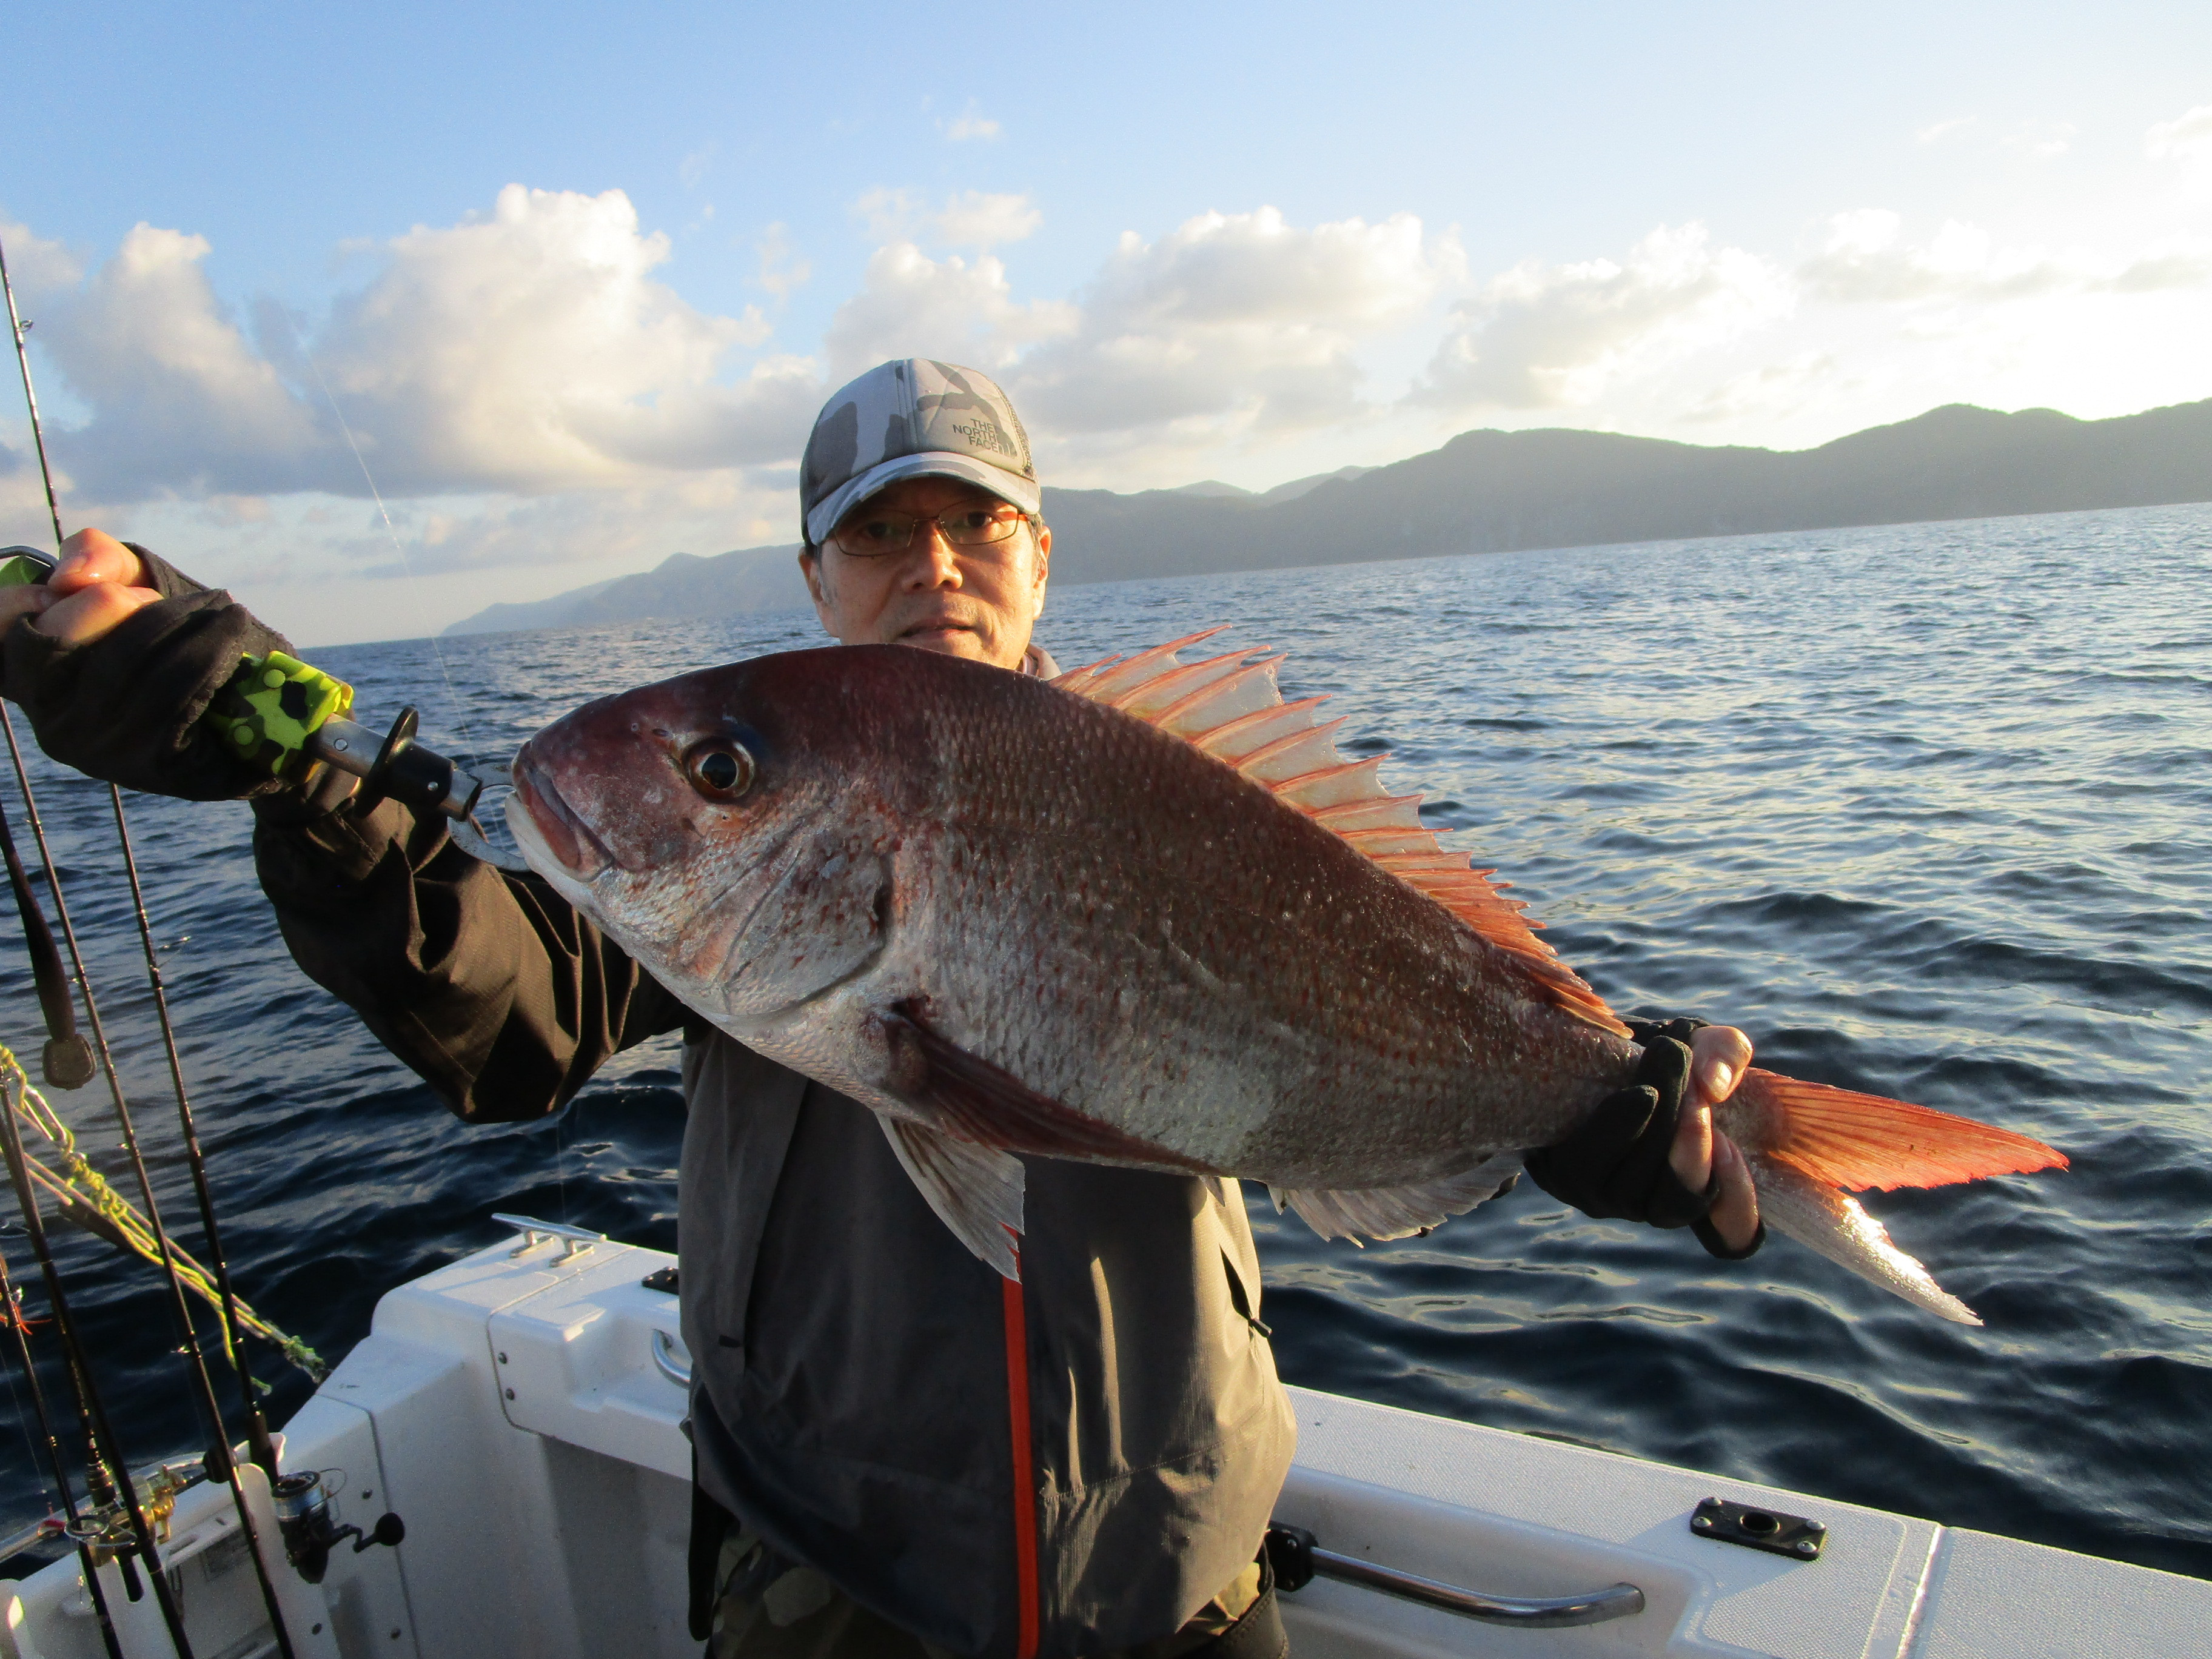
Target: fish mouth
point(566, 836)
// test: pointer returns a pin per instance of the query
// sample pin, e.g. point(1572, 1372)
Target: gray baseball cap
point(913, 418)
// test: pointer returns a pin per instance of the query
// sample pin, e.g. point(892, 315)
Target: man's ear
point(810, 569)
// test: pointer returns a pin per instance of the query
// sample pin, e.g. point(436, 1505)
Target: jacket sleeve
point(127, 708)
point(489, 985)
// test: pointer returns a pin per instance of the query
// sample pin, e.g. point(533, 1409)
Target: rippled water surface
point(1924, 808)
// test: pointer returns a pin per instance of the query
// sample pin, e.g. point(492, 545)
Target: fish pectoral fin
point(1401, 1211)
point(976, 1100)
point(976, 1191)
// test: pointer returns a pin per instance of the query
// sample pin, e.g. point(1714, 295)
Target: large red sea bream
point(1142, 914)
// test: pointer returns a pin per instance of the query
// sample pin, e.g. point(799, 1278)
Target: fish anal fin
point(976, 1191)
point(974, 1100)
point(1230, 706)
point(1399, 1212)
point(1854, 1140)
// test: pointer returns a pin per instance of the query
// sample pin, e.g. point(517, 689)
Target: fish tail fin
point(1854, 1140)
point(1833, 1223)
point(1806, 1141)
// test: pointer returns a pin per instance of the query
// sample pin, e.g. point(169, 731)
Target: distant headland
point(1496, 492)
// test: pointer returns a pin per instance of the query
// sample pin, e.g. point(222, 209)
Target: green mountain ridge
point(1489, 491)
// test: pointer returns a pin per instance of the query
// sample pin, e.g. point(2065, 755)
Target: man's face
point(976, 602)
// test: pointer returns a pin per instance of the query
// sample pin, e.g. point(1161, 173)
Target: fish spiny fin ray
point(1230, 706)
point(1857, 1141)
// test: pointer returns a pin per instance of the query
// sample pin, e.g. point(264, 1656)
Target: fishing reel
point(303, 1516)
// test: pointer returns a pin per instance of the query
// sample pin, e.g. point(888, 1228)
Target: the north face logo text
point(986, 435)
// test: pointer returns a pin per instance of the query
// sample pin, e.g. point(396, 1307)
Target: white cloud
point(530, 350)
point(1866, 259)
point(1776, 389)
point(705, 513)
point(891, 215)
point(2041, 137)
point(2186, 137)
point(1936, 130)
point(969, 123)
point(1234, 323)
point(2185, 145)
point(780, 268)
point(1547, 336)
point(974, 219)
point(182, 400)
point(912, 306)
point(36, 265)
point(529, 389)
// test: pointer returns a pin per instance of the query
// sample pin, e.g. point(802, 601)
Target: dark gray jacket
point(861, 1382)
point(1068, 1468)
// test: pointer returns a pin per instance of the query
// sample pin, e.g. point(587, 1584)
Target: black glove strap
point(1614, 1165)
point(1715, 1246)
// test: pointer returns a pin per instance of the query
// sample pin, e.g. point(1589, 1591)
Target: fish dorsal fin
point(1229, 706)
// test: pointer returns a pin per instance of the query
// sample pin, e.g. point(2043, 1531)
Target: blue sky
point(1238, 242)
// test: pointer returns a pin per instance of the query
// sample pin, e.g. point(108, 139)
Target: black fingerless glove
point(126, 708)
point(1615, 1165)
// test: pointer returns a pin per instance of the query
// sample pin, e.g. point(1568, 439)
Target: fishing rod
point(107, 1455)
point(67, 1061)
point(14, 1315)
point(220, 1462)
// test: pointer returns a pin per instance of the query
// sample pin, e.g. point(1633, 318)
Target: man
point(898, 1452)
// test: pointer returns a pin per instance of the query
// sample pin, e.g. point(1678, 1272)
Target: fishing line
point(414, 585)
point(15, 1316)
point(68, 1504)
point(220, 1452)
point(452, 692)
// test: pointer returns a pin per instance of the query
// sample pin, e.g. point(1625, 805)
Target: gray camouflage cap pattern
point(911, 418)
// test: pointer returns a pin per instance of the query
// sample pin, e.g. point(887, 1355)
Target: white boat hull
point(519, 1410)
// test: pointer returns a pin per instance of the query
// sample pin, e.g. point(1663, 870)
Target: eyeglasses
point(879, 535)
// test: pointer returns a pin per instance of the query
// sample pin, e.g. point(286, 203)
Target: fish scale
point(1145, 915)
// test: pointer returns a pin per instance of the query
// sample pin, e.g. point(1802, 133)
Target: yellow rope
point(86, 1200)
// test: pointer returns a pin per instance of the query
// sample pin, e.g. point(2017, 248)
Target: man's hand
point(1648, 1151)
point(98, 583)
point(1718, 1055)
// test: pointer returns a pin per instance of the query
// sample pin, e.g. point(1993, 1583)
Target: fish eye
point(719, 769)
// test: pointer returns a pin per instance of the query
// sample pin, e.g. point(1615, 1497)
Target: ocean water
point(1924, 808)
